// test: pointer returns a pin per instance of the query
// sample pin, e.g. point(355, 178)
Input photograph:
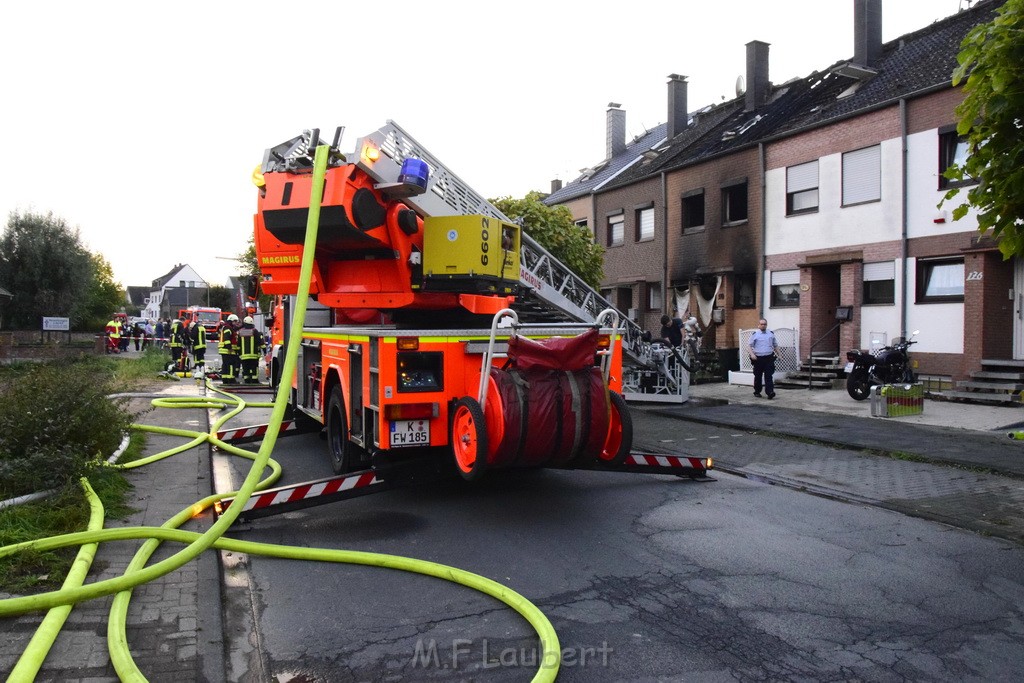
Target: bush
point(56, 420)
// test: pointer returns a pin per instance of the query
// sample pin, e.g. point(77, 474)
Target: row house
point(813, 203)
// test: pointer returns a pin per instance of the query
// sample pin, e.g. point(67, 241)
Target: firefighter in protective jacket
point(250, 343)
point(228, 353)
point(197, 335)
point(178, 339)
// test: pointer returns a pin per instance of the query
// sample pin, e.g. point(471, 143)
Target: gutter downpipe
point(904, 217)
point(664, 251)
point(764, 227)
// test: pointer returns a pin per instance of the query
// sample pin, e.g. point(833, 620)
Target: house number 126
point(974, 275)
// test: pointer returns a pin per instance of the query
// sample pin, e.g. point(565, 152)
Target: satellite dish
point(741, 86)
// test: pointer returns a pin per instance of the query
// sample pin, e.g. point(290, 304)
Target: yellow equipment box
point(897, 400)
point(470, 253)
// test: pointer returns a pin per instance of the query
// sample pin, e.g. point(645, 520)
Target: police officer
point(763, 349)
point(228, 354)
point(250, 342)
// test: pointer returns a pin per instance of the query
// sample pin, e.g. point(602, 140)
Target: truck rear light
point(408, 343)
point(410, 411)
point(370, 153)
point(604, 342)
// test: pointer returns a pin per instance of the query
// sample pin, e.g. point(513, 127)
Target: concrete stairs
point(999, 382)
point(822, 371)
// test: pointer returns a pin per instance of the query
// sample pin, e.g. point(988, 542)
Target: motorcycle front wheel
point(857, 385)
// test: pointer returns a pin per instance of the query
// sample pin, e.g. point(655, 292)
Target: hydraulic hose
point(137, 571)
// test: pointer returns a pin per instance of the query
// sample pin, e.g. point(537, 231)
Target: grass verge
point(67, 511)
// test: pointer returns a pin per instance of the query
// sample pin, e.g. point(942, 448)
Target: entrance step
point(979, 397)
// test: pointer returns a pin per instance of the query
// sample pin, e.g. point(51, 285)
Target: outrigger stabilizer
point(416, 471)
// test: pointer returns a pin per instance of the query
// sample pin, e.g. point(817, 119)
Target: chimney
point(867, 32)
point(757, 75)
point(677, 113)
point(556, 185)
point(615, 119)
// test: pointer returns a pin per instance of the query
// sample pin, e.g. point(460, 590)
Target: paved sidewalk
point(174, 625)
point(960, 433)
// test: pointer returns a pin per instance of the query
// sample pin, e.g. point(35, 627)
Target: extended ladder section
point(554, 291)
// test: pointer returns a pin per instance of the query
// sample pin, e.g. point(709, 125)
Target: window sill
point(866, 201)
point(802, 212)
point(693, 231)
point(733, 224)
point(942, 300)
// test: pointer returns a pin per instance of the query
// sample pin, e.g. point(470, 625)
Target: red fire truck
point(427, 333)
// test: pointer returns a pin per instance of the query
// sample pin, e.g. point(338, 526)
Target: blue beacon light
point(414, 172)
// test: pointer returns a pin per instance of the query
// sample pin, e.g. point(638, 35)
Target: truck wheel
point(343, 458)
point(468, 436)
point(620, 432)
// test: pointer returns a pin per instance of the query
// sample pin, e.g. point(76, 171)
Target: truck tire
point(468, 438)
point(342, 451)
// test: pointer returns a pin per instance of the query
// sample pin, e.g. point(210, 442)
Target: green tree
point(554, 229)
point(220, 297)
point(990, 117)
point(250, 269)
point(103, 295)
point(44, 265)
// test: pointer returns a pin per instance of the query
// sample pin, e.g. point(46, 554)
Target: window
point(802, 188)
point(862, 175)
point(693, 210)
point(653, 296)
point(582, 223)
point(952, 152)
point(785, 289)
point(745, 294)
point(940, 280)
point(645, 224)
point(616, 229)
point(734, 202)
point(880, 282)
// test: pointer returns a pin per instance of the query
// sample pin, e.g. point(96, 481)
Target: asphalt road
point(644, 577)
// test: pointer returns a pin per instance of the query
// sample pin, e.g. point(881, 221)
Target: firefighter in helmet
point(230, 369)
point(197, 336)
point(250, 343)
point(178, 338)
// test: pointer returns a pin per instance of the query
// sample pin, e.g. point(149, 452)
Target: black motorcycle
point(890, 365)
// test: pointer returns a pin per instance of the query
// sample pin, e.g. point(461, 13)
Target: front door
point(1018, 309)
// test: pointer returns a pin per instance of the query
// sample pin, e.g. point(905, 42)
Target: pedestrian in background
point(147, 334)
point(763, 349)
point(158, 331)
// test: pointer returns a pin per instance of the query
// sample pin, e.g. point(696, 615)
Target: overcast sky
point(140, 122)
